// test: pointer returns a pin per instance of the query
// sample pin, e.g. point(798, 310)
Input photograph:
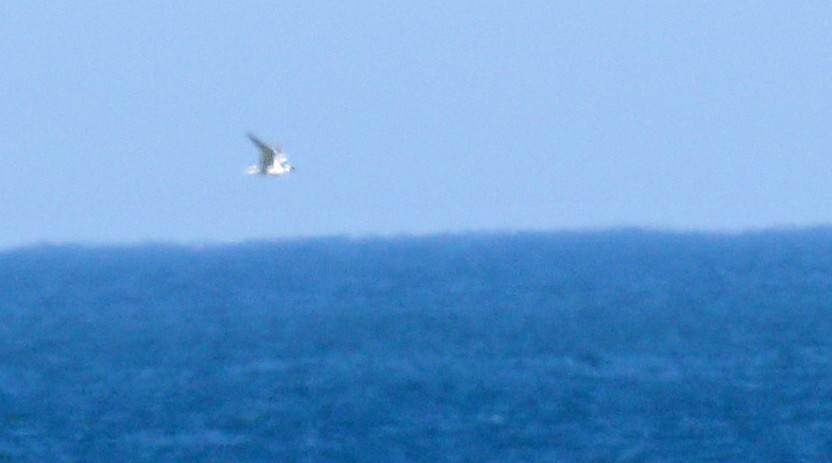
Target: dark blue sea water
point(621, 346)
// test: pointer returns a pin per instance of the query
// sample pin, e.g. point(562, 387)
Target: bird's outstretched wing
point(267, 153)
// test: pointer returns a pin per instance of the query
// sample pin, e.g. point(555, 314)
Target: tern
point(273, 160)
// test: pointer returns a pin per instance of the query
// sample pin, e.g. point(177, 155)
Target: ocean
point(613, 346)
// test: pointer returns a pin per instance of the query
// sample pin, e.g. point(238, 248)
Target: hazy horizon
point(430, 236)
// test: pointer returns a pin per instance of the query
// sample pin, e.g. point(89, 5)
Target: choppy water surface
point(618, 346)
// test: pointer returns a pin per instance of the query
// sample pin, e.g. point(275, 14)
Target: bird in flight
point(273, 160)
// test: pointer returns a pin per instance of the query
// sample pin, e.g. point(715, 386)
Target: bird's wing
point(266, 152)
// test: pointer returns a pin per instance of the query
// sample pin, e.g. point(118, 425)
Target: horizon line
point(398, 236)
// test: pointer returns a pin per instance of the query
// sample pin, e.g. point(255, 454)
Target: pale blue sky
point(126, 121)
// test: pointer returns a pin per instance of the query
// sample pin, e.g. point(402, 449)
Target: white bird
point(273, 160)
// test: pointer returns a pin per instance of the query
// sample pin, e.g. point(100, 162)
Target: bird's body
point(273, 160)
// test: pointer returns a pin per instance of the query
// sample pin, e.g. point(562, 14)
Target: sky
point(126, 122)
